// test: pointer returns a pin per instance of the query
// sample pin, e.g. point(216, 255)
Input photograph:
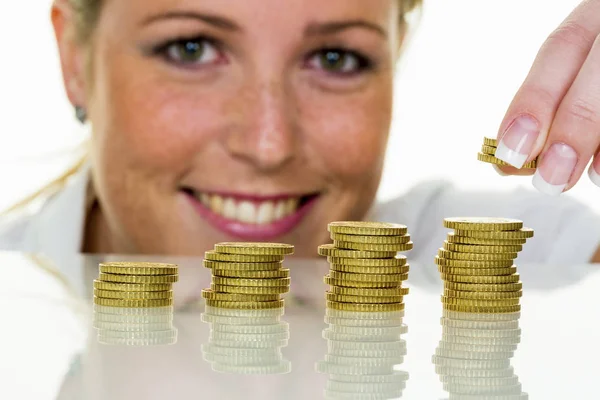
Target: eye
point(194, 51)
point(338, 61)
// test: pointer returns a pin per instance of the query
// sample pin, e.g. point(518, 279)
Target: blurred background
point(459, 73)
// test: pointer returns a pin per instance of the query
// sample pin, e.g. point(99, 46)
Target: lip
point(253, 232)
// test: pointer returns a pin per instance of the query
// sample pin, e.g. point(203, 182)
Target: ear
point(72, 52)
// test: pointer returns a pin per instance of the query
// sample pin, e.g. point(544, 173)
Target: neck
point(97, 237)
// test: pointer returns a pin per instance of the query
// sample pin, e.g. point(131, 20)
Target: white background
point(462, 68)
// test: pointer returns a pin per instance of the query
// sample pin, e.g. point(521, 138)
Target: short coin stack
point(477, 264)
point(473, 357)
point(247, 276)
point(366, 274)
point(246, 341)
point(488, 153)
point(135, 284)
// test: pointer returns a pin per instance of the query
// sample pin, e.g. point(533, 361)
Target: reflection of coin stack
point(488, 153)
point(247, 275)
point(246, 341)
point(366, 274)
point(476, 264)
point(473, 357)
point(364, 353)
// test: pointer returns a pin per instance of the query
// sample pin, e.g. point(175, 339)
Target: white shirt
point(566, 232)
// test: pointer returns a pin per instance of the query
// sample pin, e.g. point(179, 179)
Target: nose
point(265, 135)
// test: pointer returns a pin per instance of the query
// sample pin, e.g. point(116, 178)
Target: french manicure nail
point(593, 172)
point(555, 170)
point(518, 140)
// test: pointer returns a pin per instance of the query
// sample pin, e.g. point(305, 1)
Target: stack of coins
point(477, 264)
point(246, 341)
point(366, 273)
point(488, 154)
point(247, 276)
point(135, 284)
point(473, 358)
point(135, 326)
point(364, 353)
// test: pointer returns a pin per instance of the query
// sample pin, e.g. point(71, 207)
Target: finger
point(575, 133)
point(525, 127)
point(507, 170)
point(594, 171)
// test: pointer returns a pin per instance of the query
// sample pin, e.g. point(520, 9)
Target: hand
point(556, 113)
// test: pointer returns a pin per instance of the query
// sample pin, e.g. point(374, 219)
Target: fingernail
point(593, 172)
point(518, 140)
point(555, 170)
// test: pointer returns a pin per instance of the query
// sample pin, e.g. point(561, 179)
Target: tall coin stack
point(246, 342)
point(366, 273)
point(247, 276)
point(488, 154)
point(364, 352)
point(477, 264)
point(473, 358)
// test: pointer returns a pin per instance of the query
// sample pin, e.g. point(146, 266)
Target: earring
point(80, 114)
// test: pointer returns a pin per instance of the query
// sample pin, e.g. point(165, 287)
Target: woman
point(264, 120)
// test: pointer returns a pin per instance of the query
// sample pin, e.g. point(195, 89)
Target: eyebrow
point(214, 20)
point(335, 27)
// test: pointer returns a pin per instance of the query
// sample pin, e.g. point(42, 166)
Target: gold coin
point(370, 239)
point(249, 289)
point(282, 273)
point(367, 228)
point(115, 294)
point(218, 280)
point(493, 160)
point(452, 255)
point(398, 278)
point(486, 310)
point(480, 303)
point(342, 298)
point(138, 278)
point(453, 238)
point(478, 287)
point(212, 295)
point(370, 270)
point(490, 142)
point(481, 279)
point(365, 307)
point(138, 268)
point(482, 249)
point(350, 291)
point(255, 249)
point(373, 247)
point(524, 233)
point(489, 150)
point(132, 287)
point(133, 303)
point(246, 305)
point(477, 271)
point(260, 266)
point(330, 250)
point(459, 294)
point(397, 261)
point(473, 264)
point(483, 223)
point(360, 284)
point(242, 258)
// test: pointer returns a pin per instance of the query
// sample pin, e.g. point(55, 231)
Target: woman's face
point(238, 120)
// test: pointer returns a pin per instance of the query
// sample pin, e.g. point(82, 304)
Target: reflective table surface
point(50, 347)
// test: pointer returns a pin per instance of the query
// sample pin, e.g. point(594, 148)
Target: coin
point(370, 270)
point(246, 305)
point(282, 273)
point(218, 280)
point(481, 249)
point(490, 142)
point(350, 291)
point(249, 289)
point(397, 261)
point(490, 150)
point(367, 228)
point(133, 303)
point(153, 279)
point(524, 233)
point(373, 247)
point(480, 303)
point(242, 258)
point(483, 295)
point(481, 279)
point(453, 238)
point(212, 295)
point(254, 248)
point(473, 264)
point(250, 266)
point(132, 287)
point(398, 278)
point(138, 268)
point(359, 284)
point(483, 223)
point(116, 294)
point(491, 310)
point(365, 307)
point(370, 239)
point(493, 160)
point(342, 298)
point(330, 250)
point(452, 255)
point(471, 287)
point(477, 271)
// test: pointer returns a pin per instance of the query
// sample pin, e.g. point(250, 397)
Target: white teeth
point(279, 210)
point(229, 208)
point(216, 204)
point(291, 206)
point(246, 212)
point(265, 213)
point(205, 199)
